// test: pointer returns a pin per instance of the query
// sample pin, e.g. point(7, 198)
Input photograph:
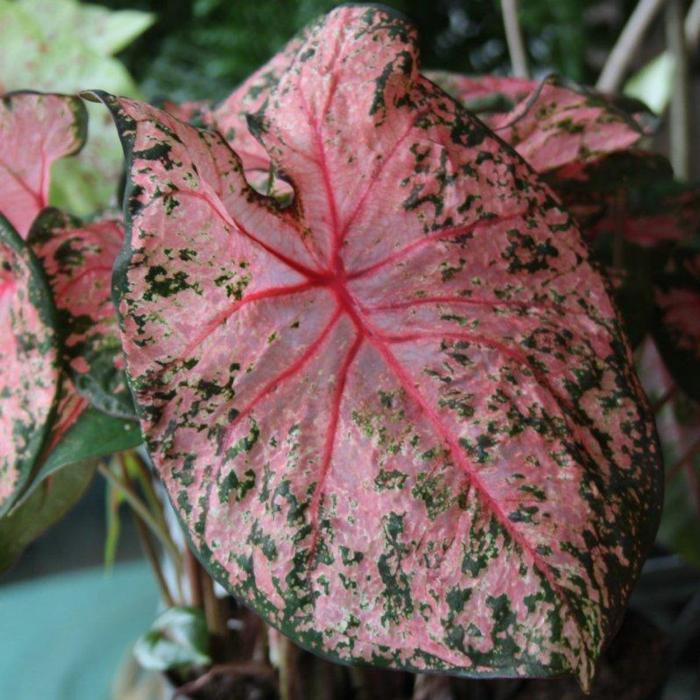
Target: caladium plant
point(399, 416)
point(374, 360)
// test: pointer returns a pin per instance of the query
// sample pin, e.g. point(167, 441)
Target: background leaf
point(78, 260)
point(43, 509)
point(48, 45)
point(92, 436)
point(35, 131)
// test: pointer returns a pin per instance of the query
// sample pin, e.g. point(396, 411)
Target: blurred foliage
point(67, 46)
point(202, 48)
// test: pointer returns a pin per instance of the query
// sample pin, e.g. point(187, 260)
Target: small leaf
point(178, 639)
point(29, 371)
point(78, 260)
point(35, 131)
point(43, 509)
point(407, 431)
point(653, 84)
point(553, 123)
point(630, 194)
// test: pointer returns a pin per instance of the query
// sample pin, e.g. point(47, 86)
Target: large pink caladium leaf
point(29, 371)
point(677, 315)
point(399, 417)
point(35, 130)
point(78, 259)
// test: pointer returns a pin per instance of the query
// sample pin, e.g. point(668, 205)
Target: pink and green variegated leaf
point(78, 259)
point(196, 112)
point(233, 116)
point(484, 93)
point(399, 417)
point(551, 124)
point(557, 125)
point(29, 371)
point(631, 195)
point(35, 130)
point(677, 315)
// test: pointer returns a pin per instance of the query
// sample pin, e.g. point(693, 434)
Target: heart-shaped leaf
point(78, 260)
point(35, 131)
point(398, 418)
point(677, 315)
point(29, 371)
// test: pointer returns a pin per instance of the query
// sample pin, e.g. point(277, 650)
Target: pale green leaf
point(653, 83)
point(177, 639)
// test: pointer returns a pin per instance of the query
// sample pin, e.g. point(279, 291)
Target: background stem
point(623, 52)
point(144, 514)
point(679, 113)
point(514, 37)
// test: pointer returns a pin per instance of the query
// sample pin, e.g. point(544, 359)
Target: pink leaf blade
point(35, 130)
point(434, 504)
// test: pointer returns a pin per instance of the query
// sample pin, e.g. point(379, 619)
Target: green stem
point(146, 516)
point(146, 541)
point(289, 678)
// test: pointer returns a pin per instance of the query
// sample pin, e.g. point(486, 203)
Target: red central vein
point(44, 182)
point(380, 343)
point(375, 177)
point(330, 441)
point(36, 196)
point(326, 177)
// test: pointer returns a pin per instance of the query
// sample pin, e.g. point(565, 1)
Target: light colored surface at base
point(64, 637)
